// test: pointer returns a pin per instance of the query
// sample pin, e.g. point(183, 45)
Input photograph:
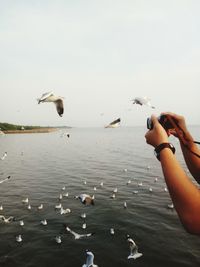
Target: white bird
point(113, 196)
point(29, 207)
point(58, 239)
point(86, 199)
point(125, 204)
point(7, 220)
point(64, 211)
point(6, 179)
point(140, 184)
point(66, 194)
point(165, 189)
point(115, 190)
point(101, 184)
point(1, 207)
point(134, 254)
point(150, 189)
point(129, 181)
point(89, 260)
point(112, 231)
point(84, 225)
point(76, 235)
point(63, 188)
point(135, 191)
point(114, 124)
point(142, 101)
point(60, 197)
point(21, 223)
point(83, 215)
point(170, 206)
point(57, 100)
point(19, 238)
point(59, 206)
point(25, 200)
point(40, 207)
point(4, 156)
point(43, 222)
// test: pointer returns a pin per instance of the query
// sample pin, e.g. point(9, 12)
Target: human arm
point(185, 195)
point(192, 161)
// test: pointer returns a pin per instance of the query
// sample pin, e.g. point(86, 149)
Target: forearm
point(185, 195)
point(192, 161)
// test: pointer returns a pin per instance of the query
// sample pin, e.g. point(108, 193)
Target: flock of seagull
point(85, 199)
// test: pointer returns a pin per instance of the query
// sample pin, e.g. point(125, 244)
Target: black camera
point(164, 120)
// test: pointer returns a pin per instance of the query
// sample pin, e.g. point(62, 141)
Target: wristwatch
point(160, 147)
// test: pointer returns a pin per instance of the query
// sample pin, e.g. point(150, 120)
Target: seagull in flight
point(89, 260)
point(142, 101)
point(134, 254)
point(78, 236)
point(5, 179)
point(7, 220)
point(57, 100)
point(114, 124)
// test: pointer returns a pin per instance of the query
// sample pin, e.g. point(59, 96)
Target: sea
point(94, 161)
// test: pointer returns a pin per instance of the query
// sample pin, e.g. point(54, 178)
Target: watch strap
point(160, 147)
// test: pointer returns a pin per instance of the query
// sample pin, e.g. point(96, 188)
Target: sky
point(99, 55)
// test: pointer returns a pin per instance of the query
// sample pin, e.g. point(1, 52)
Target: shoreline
point(39, 130)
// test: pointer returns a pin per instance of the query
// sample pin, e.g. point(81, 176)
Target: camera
point(164, 120)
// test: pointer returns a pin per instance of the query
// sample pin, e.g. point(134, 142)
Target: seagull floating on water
point(83, 215)
point(58, 239)
point(78, 236)
point(43, 222)
point(6, 179)
point(89, 260)
point(19, 238)
point(64, 211)
point(40, 207)
point(112, 231)
point(25, 200)
point(21, 223)
point(142, 101)
point(134, 254)
point(57, 100)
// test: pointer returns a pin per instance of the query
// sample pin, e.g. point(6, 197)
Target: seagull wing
point(10, 219)
point(2, 218)
point(59, 107)
point(89, 259)
point(44, 96)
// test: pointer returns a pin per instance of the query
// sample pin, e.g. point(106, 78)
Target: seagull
point(64, 211)
point(114, 124)
point(57, 100)
point(84, 225)
point(86, 199)
point(4, 156)
point(112, 231)
point(5, 179)
point(29, 207)
point(170, 206)
point(21, 223)
point(40, 207)
point(83, 215)
point(58, 239)
point(89, 260)
point(19, 238)
point(43, 222)
point(1, 207)
point(142, 101)
point(59, 206)
point(66, 194)
point(134, 254)
point(78, 236)
point(25, 200)
point(8, 220)
point(125, 205)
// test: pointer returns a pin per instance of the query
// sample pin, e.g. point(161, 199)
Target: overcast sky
point(99, 54)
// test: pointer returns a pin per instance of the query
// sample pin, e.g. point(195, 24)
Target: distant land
point(8, 128)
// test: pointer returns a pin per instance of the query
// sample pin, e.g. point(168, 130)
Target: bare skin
point(185, 195)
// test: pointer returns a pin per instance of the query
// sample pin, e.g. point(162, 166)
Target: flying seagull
point(86, 199)
point(8, 220)
point(57, 100)
point(89, 260)
point(76, 235)
point(142, 101)
point(134, 254)
point(5, 179)
point(114, 124)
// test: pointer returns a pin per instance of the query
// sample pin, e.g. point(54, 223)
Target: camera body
point(163, 120)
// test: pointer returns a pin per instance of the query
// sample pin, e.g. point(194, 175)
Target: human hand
point(180, 122)
point(157, 135)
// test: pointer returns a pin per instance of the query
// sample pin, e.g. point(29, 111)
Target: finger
point(154, 120)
